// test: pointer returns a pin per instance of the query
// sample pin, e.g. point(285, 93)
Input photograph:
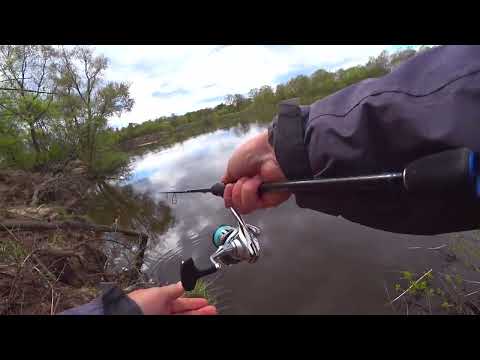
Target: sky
point(168, 79)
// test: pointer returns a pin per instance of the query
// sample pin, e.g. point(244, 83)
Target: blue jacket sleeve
point(428, 104)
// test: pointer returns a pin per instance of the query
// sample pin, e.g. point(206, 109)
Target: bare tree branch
point(28, 90)
point(37, 225)
point(44, 66)
point(72, 75)
point(24, 66)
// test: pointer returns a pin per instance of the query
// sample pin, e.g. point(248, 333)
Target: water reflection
point(311, 263)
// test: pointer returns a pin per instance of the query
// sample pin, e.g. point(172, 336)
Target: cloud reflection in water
point(326, 262)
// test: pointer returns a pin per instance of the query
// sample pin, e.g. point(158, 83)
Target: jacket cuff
point(286, 135)
point(116, 302)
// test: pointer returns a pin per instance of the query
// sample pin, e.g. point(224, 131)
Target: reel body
point(234, 245)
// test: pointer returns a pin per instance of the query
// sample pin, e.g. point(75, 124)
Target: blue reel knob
point(221, 234)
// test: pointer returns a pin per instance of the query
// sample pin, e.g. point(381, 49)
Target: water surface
point(311, 263)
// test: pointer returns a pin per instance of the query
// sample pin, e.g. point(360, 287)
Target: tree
point(379, 66)
point(399, 57)
point(27, 88)
point(236, 100)
point(263, 98)
point(88, 100)
point(322, 83)
point(281, 92)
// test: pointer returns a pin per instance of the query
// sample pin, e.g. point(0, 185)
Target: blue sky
point(168, 79)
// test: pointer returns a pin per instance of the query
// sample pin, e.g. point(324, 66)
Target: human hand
point(168, 300)
point(251, 164)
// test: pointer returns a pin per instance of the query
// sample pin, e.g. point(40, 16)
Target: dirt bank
point(52, 264)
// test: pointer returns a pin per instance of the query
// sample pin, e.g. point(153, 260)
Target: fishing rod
point(454, 170)
point(450, 172)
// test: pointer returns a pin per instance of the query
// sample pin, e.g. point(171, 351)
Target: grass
point(201, 290)
point(57, 240)
point(11, 251)
point(467, 249)
point(449, 296)
point(447, 291)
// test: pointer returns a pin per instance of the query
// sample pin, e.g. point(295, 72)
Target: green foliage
point(201, 291)
point(417, 288)
point(447, 295)
point(57, 108)
point(407, 275)
point(14, 152)
point(110, 162)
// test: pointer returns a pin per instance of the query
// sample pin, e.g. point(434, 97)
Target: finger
point(227, 177)
point(172, 292)
point(250, 198)
point(227, 195)
point(237, 194)
point(269, 200)
point(187, 304)
point(271, 171)
point(207, 310)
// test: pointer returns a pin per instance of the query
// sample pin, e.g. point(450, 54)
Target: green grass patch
point(201, 291)
point(11, 251)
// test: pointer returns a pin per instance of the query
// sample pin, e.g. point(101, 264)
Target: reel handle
point(189, 273)
point(218, 189)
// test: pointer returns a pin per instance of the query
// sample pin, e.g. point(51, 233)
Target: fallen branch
point(473, 293)
point(431, 248)
point(47, 273)
point(37, 225)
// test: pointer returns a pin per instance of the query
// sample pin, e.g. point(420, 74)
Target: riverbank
point(52, 256)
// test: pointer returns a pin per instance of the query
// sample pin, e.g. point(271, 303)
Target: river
point(311, 263)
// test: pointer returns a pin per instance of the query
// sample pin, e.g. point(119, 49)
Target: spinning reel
point(234, 245)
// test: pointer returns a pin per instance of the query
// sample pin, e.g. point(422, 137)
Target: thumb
point(173, 291)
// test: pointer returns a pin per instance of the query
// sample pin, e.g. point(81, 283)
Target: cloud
point(214, 99)
point(299, 70)
point(219, 48)
point(161, 76)
point(157, 166)
point(170, 93)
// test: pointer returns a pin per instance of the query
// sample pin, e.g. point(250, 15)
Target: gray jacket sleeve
point(112, 302)
point(428, 104)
